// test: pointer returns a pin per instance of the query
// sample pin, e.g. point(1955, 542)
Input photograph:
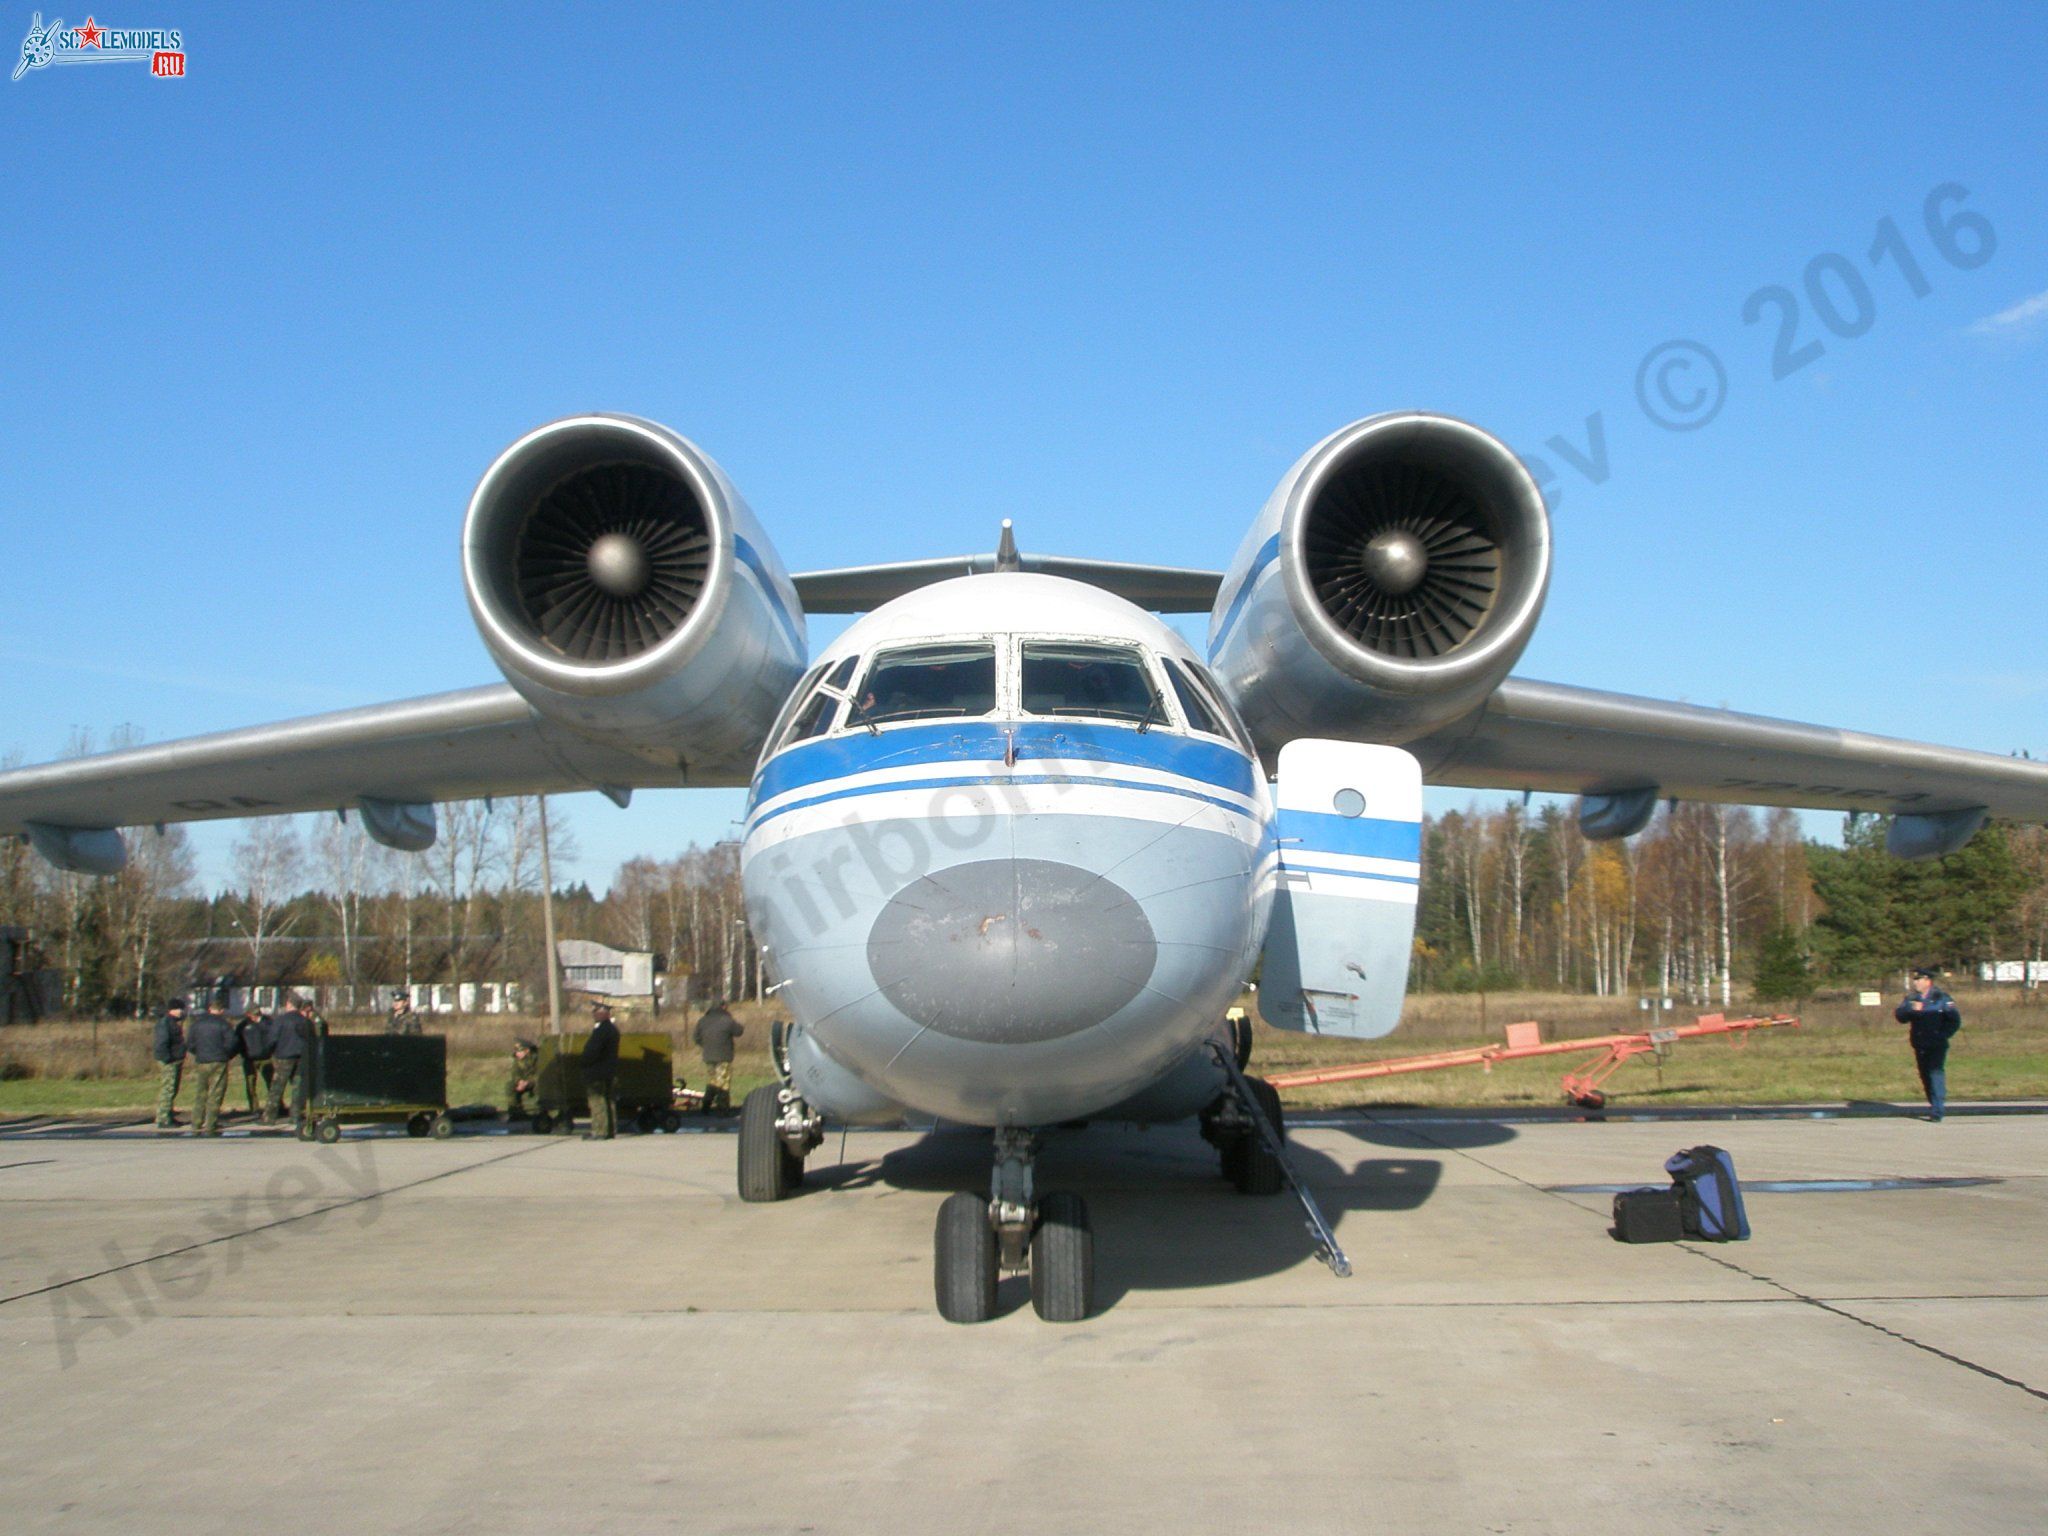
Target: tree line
point(1707, 902)
point(1710, 900)
point(313, 901)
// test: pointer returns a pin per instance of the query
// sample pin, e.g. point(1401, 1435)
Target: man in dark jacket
point(212, 1038)
point(252, 1049)
point(600, 1074)
point(403, 1020)
point(714, 1034)
point(1934, 1020)
point(168, 1047)
point(288, 1032)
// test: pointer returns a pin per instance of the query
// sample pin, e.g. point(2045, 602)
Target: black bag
point(1648, 1216)
point(1709, 1195)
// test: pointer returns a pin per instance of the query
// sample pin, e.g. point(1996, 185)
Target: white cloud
point(2023, 319)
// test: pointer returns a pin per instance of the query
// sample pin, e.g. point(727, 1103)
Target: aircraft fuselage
point(1010, 855)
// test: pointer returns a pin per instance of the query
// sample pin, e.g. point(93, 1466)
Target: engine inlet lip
point(1525, 548)
point(540, 458)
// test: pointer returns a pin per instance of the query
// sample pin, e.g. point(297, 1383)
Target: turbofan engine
point(623, 586)
point(1391, 581)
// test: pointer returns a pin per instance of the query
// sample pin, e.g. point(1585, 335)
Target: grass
point(48, 1069)
point(1841, 1052)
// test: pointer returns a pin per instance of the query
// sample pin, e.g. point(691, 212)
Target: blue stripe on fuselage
point(970, 780)
point(983, 741)
point(1307, 833)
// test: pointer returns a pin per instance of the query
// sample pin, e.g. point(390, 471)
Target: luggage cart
point(371, 1078)
point(645, 1087)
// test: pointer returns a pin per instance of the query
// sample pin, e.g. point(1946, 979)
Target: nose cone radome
point(1012, 951)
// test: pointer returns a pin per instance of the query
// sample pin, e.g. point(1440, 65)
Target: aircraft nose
point(1012, 951)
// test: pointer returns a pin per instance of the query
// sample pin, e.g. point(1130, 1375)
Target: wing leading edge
point(1625, 753)
point(391, 762)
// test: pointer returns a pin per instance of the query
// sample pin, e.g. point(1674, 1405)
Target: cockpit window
point(1201, 716)
point(1097, 682)
point(798, 696)
point(816, 717)
point(928, 682)
point(1205, 681)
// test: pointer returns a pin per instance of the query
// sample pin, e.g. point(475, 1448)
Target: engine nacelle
point(623, 586)
point(1393, 578)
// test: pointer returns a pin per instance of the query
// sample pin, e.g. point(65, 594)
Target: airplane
point(1012, 847)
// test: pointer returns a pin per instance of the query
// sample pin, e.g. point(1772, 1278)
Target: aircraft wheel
point(1254, 1170)
point(964, 1265)
point(764, 1161)
point(1062, 1260)
point(417, 1125)
point(671, 1121)
point(327, 1132)
point(441, 1127)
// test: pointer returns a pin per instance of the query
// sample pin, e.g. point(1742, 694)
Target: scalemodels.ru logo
point(161, 48)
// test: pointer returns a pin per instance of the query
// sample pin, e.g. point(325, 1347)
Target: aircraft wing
point(861, 588)
point(1628, 752)
point(390, 762)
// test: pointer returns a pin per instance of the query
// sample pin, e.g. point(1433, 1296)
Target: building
point(626, 975)
point(29, 990)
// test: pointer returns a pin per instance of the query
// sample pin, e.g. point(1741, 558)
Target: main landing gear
point(977, 1240)
point(1246, 1128)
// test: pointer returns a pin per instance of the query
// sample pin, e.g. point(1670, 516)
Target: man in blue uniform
point(1933, 1018)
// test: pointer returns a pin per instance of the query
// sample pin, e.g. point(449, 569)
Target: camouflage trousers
point(209, 1088)
point(256, 1084)
point(168, 1075)
point(604, 1110)
point(717, 1085)
point(284, 1076)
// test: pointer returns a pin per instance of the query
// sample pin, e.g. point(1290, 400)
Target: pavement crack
point(1876, 1327)
point(1790, 1292)
point(268, 1226)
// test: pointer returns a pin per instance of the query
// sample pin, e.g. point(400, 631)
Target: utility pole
point(547, 923)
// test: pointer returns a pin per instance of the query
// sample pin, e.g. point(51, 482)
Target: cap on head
point(1924, 970)
point(525, 1045)
point(600, 1010)
point(175, 1005)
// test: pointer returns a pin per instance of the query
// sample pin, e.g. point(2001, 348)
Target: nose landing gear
point(1010, 1232)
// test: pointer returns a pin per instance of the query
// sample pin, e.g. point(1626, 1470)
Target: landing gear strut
point(1014, 1230)
point(777, 1132)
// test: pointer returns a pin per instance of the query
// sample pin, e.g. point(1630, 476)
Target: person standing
point(213, 1042)
point(714, 1034)
point(288, 1032)
point(1933, 1019)
point(252, 1049)
point(403, 1020)
point(600, 1074)
point(168, 1047)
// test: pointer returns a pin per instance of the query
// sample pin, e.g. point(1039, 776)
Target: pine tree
point(1782, 973)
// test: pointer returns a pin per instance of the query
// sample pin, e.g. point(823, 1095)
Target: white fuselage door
point(1350, 830)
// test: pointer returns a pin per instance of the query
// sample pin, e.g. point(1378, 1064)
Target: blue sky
point(907, 270)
